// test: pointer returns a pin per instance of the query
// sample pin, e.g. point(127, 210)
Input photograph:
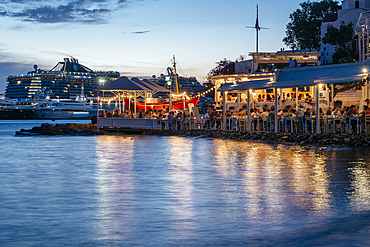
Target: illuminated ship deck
point(66, 80)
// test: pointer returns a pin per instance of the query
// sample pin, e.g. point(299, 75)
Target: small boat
point(7, 102)
point(23, 109)
point(67, 110)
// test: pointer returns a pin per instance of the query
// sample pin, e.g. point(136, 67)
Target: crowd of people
point(176, 119)
point(287, 97)
point(301, 114)
point(271, 97)
point(129, 114)
point(179, 119)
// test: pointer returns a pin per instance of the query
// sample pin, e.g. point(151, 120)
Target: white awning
point(326, 74)
point(331, 80)
point(242, 87)
point(306, 76)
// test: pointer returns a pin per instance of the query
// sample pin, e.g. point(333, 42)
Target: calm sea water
point(173, 191)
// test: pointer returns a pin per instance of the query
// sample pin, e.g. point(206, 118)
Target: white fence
point(141, 123)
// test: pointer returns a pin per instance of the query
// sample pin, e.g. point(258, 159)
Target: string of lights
point(116, 97)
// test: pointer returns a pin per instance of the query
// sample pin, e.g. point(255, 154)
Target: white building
point(302, 57)
point(244, 67)
point(350, 12)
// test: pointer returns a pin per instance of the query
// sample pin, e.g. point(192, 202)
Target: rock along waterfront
point(290, 138)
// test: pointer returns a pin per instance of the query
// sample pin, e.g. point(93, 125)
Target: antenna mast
point(258, 28)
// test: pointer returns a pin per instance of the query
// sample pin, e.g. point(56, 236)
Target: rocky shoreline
point(291, 138)
point(61, 129)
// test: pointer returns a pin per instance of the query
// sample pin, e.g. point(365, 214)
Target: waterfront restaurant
point(315, 78)
point(315, 82)
point(125, 88)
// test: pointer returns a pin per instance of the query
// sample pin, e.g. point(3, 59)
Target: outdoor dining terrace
point(328, 124)
point(290, 124)
point(318, 82)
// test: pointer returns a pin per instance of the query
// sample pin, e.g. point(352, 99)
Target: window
point(269, 91)
point(357, 4)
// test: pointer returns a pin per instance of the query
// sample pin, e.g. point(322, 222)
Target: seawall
point(292, 138)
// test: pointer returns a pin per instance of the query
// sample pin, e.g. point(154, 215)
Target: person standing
point(207, 120)
point(293, 63)
point(308, 114)
point(170, 119)
point(159, 121)
point(361, 106)
point(324, 56)
point(300, 114)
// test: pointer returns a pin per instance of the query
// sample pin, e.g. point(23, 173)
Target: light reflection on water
point(181, 185)
point(115, 185)
point(148, 190)
point(360, 184)
point(190, 189)
point(271, 173)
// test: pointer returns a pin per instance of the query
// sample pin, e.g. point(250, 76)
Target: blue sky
point(135, 37)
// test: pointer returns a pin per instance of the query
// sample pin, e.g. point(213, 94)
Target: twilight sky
point(135, 37)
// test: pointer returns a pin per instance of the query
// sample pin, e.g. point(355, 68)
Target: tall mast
point(258, 28)
point(174, 66)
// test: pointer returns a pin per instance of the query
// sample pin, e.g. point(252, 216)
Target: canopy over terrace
point(153, 86)
point(306, 76)
point(219, 80)
point(328, 74)
point(246, 85)
point(131, 88)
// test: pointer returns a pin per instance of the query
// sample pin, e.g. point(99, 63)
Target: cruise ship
point(66, 80)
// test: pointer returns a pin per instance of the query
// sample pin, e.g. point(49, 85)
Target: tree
point(342, 38)
point(344, 51)
point(304, 29)
point(224, 67)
